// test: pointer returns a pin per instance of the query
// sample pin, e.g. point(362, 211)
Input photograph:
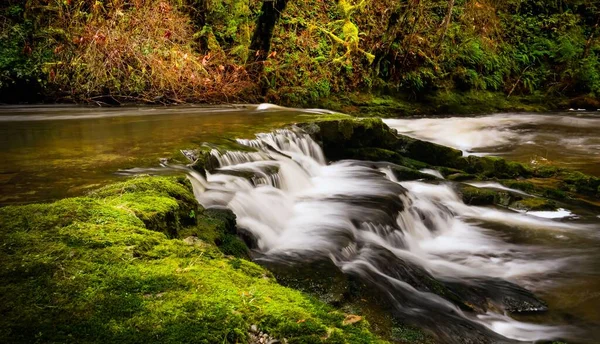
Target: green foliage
point(199, 50)
point(23, 54)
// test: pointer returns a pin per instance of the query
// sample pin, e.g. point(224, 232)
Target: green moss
point(477, 196)
point(519, 185)
point(90, 270)
point(581, 183)
point(403, 173)
point(428, 152)
point(163, 204)
point(491, 167)
point(534, 204)
point(458, 177)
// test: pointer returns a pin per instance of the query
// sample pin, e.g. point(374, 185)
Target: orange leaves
point(164, 7)
point(205, 59)
point(99, 38)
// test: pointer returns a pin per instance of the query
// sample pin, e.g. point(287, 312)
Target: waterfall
point(416, 243)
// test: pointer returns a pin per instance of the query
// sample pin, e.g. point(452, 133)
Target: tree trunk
point(446, 22)
point(261, 40)
point(590, 40)
point(199, 18)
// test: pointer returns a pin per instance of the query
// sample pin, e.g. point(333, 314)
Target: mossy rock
point(380, 155)
point(535, 204)
point(581, 183)
point(524, 186)
point(339, 135)
point(405, 174)
point(491, 167)
point(459, 177)
point(163, 204)
point(89, 269)
point(477, 196)
point(481, 196)
point(428, 152)
point(203, 160)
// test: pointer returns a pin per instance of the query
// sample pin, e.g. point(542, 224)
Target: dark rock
point(459, 177)
point(404, 174)
point(477, 196)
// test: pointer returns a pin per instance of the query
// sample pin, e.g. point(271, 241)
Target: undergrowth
point(199, 50)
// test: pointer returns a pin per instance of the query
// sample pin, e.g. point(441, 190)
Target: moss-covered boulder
point(428, 152)
point(109, 269)
point(340, 136)
point(477, 196)
point(163, 204)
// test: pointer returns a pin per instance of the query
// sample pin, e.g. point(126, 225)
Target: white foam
point(432, 172)
point(497, 186)
point(556, 214)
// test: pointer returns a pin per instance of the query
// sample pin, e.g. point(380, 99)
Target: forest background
point(409, 56)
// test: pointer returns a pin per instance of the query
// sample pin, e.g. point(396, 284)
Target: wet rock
point(258, 337)
point(339, 135)
point(459, 177)
point(430, 153)
point(205, 161)
point(194, 241)
point(477, 196)
point(405, 174)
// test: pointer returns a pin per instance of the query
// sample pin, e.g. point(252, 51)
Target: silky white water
point(562, 139)
point(388, 233)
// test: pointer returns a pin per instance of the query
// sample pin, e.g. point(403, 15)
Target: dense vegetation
point(214, 51)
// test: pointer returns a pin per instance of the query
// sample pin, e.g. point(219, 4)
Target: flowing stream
point(414, 244)
point(393, 235)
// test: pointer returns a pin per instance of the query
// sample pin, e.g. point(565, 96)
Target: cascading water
point(431, 257)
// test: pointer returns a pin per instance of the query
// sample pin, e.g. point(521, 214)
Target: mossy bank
point(141, 261)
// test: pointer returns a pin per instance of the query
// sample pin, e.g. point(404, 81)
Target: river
point(385, 232)
point(50, 152)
